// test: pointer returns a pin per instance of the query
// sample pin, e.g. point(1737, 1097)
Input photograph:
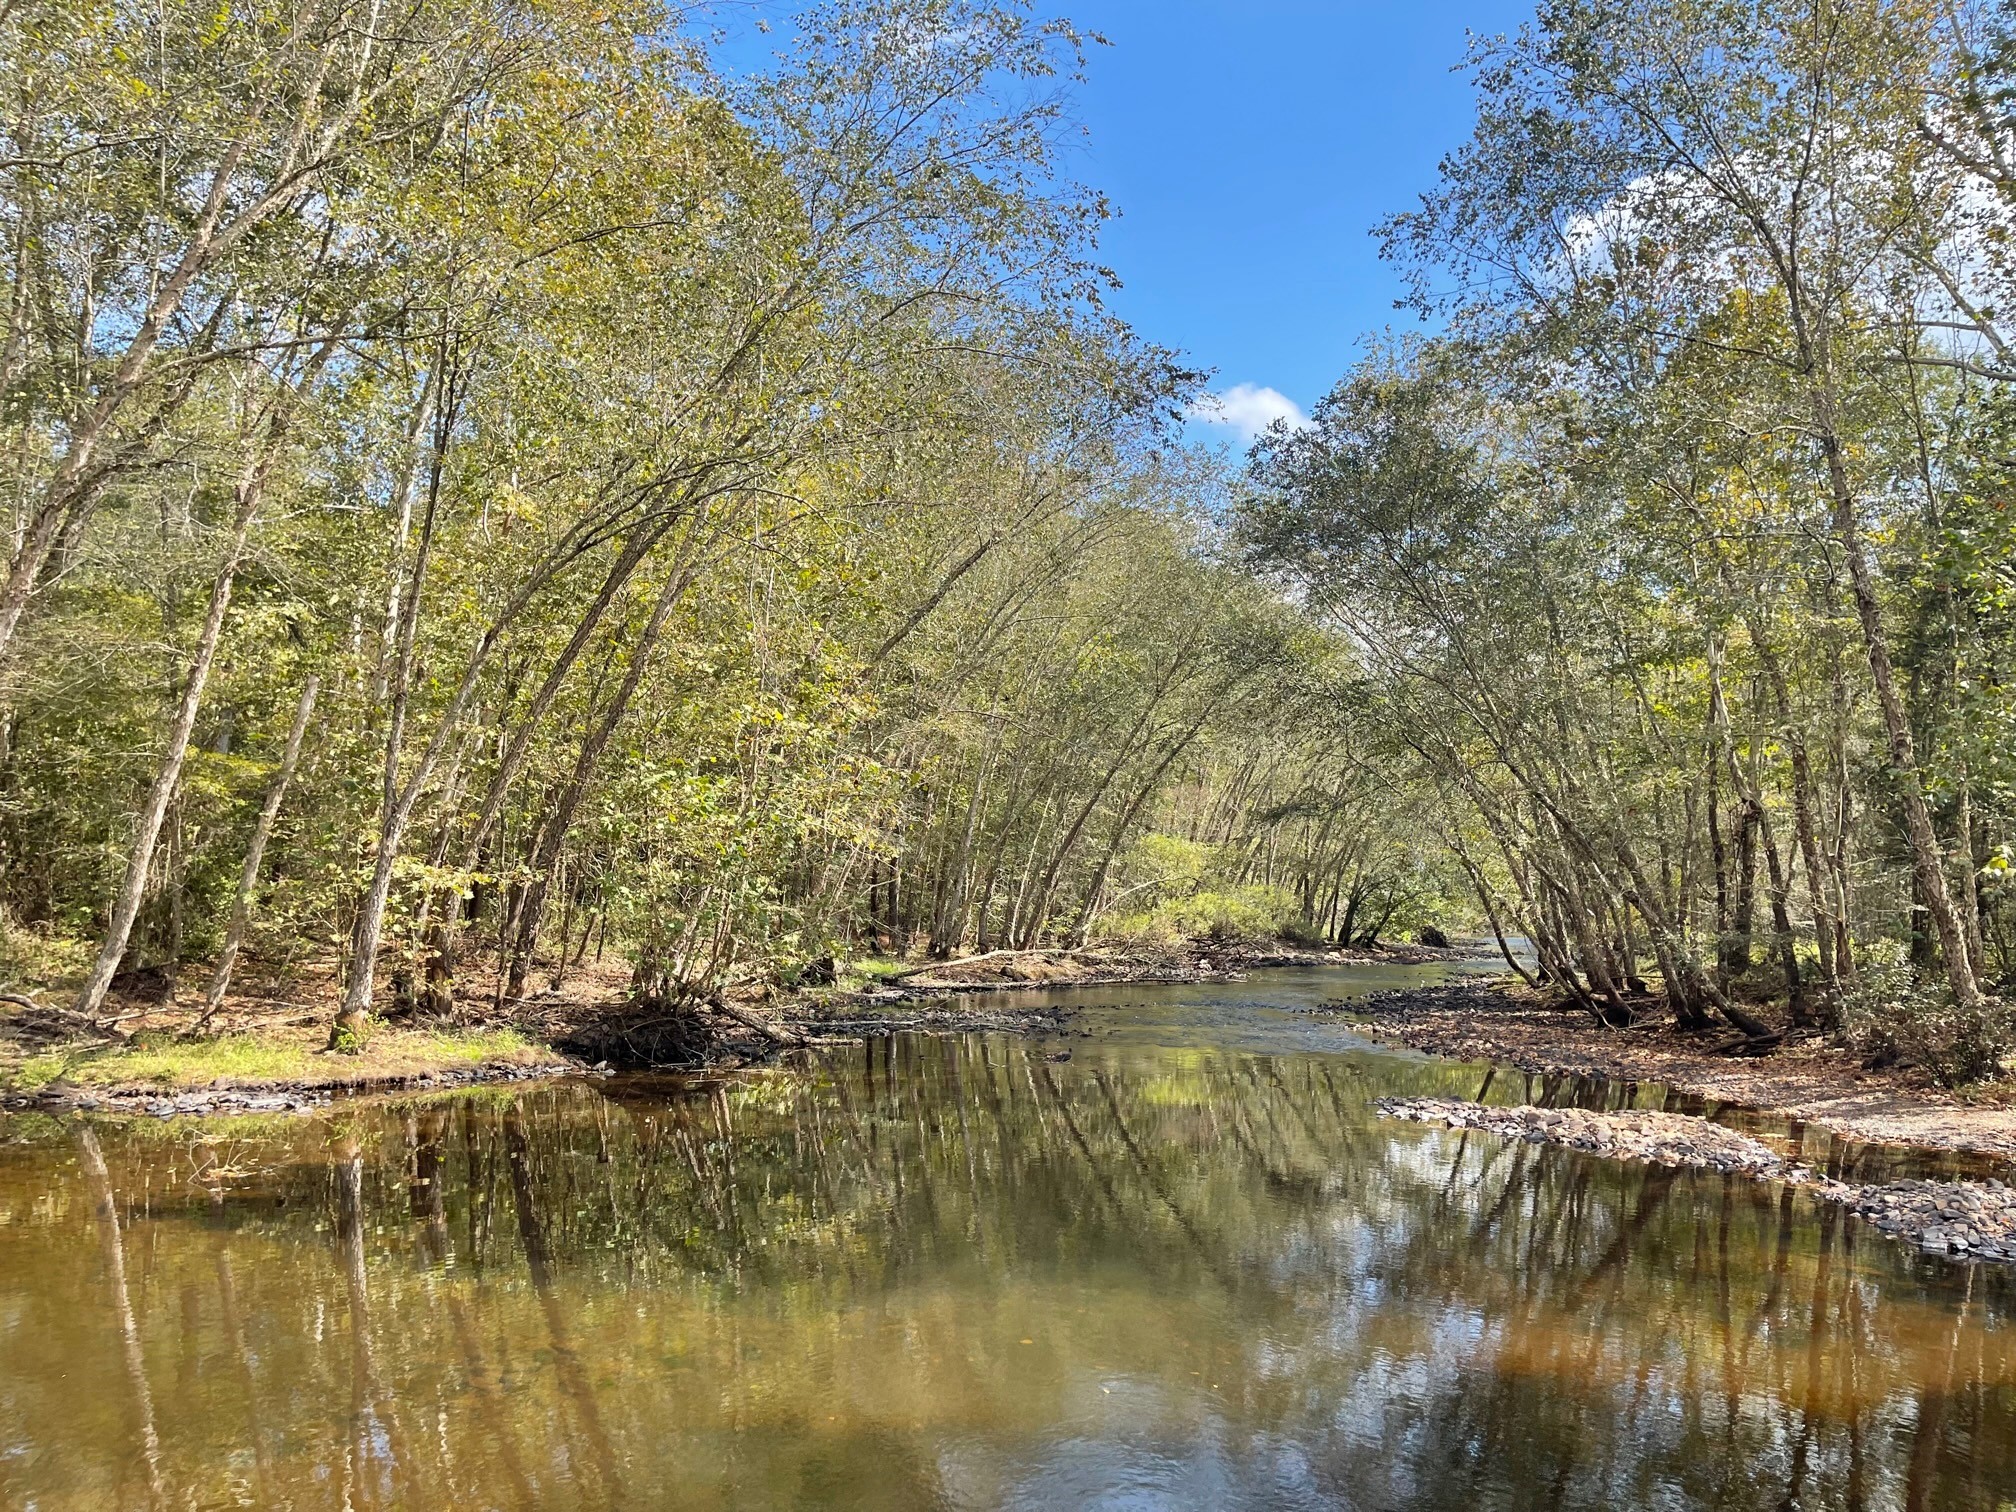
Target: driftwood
point(772, 1032)
point(84, 1021)
point(931, 966)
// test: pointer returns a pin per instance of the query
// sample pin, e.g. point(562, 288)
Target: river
point(1171, 1259)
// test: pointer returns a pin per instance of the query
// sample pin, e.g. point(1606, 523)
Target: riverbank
point(266, 1054)
point(1812, 1080)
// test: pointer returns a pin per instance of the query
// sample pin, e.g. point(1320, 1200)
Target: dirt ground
point(1821, 1083)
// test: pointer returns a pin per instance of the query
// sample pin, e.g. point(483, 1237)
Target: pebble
point(1972, 1219)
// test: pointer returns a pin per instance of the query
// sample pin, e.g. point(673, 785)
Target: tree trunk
point(1928, 864)
point(553, 833)
point(1970, 895)
point(1141, 796)
point(248, 878)
point(1805, 828)
point(169, 774)
point(1781, 922)
point(395, 805)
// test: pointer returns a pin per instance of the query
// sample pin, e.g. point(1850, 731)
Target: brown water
point(1188, 1267)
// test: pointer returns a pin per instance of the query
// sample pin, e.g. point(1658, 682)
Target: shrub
point(32, 958)
point(1235, 913)
point(1295, 932)
point(1894, 1017)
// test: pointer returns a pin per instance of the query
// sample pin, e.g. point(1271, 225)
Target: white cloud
point(1248, 408)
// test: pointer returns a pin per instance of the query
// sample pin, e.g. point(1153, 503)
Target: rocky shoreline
point(1658, 1138)
point(1197, 961)
point(1810, 1079)
point(1973, 1220)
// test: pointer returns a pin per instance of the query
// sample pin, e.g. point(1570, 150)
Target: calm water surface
point(1186, 1267)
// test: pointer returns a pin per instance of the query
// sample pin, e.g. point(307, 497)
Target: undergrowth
point(1895, 1017)
point(1230, 913)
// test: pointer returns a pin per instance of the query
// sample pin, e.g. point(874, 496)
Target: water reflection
point(964, 1274)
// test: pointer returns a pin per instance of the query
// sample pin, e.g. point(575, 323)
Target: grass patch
point(35, 1073)
point(868, 969)
point(241, 1060)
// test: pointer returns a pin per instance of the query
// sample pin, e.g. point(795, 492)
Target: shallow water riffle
point(1173, 1259)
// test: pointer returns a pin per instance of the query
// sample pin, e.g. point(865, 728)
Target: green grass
point(163, 1060)
point(873, 968)
point(34, 1073)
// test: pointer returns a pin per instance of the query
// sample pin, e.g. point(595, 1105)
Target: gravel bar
point(1970, 1219)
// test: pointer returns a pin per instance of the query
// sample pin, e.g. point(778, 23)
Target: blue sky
point(1251, 145)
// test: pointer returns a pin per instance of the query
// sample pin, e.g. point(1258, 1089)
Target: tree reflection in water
point(951, 1273)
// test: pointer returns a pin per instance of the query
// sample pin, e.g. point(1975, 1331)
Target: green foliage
point(1894, 1016)
point(719, 514)
point(1677, 562)
point(1247, 914)
point(38, 954)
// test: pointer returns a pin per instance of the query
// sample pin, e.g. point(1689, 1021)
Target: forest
point(495, 483)
point(1681, 560)
point(489, 478)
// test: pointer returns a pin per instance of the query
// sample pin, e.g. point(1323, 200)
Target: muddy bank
point(1821, 1083)
point(1972, 1219)
point(152, 1066)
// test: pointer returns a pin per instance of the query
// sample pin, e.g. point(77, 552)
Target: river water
point(1173, 1259)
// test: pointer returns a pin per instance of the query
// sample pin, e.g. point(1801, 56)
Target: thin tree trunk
point(1805, 828)
point(168, 775)
point(1127, 817)
point(395, 589)
point(1781, 922)
point(248, 877)
point(1927, 861)
point(1719, 854)
point(1483, 890)
point(553, 833)
point(1970, 896)
point(948, 933)
point(396, 806)
point(516, 749)
point(1733, 949)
